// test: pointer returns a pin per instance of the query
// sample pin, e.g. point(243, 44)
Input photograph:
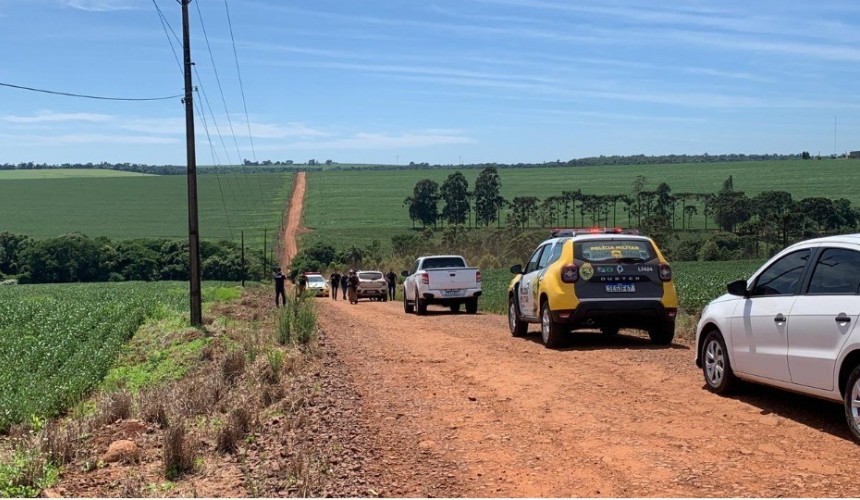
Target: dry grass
point(233, 366)
point(237, 426)
point(178, 451)
point(113, 406)
point(152, 406)
point(60, 442)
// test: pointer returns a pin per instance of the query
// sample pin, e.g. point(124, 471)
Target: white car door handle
point(843, 318)
point(779, 318)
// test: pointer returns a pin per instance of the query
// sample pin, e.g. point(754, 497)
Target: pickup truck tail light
point(570, 273)
point(425, 279)
point(478, 276)
point(665, 272)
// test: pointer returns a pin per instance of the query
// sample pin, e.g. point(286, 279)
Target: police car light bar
point(558, 232)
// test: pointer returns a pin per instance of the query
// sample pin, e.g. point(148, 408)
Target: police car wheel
point(518, 328)
point(609, 330)
point(663, 333)
point(550, 330)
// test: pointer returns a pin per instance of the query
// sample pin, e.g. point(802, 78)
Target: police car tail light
point(425, 279)
point(570, 273)
point(665, 272)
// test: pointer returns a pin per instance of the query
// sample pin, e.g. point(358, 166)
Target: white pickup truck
point(443, 280)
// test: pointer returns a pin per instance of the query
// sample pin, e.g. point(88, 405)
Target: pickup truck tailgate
point(459, 278)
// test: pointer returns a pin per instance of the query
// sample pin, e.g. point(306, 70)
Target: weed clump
point(178, 451)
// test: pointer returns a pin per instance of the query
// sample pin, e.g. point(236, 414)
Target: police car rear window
point(370, 276)
point(614, 251)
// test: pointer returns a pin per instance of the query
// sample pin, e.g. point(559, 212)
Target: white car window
point(782, 277)
point(836, 272)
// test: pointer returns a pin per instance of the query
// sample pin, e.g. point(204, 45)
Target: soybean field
point(57, 342)
point(357, 207)
point(130, 206)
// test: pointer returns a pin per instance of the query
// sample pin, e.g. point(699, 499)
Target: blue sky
point(442, 81)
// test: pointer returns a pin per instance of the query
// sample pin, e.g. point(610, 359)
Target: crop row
point(58, 341)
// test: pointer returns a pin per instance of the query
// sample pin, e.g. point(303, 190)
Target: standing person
point(391, 277)
point(344, 281)
point(303, 283)
point(280, 280)
point(352, 282)
point(334, 281)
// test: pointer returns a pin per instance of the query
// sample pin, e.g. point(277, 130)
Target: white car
point(372, 285)
point(792, 325)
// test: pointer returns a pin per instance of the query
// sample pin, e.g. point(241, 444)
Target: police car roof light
point(559, 232)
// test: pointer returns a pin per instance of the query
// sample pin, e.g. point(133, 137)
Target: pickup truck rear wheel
point(408, 307)
point(472, 306)
point(420, 305)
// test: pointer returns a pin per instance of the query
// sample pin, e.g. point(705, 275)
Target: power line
point(241, 86)
point(168, 29)
point(85, 96)
point(224, 100)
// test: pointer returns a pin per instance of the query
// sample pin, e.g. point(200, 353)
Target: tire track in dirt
point(293, 227)
point(503, 416)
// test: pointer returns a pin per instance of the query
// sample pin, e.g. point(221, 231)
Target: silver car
point(372, 285)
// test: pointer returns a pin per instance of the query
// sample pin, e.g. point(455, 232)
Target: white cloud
point(104, 5)
point(51, 117)
point(72, 139)
point(377, 141)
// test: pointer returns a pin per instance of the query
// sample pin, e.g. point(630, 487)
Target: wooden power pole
point(193, 230)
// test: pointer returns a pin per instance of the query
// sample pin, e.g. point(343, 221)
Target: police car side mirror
point(517, 269)
point(405, 274)
point(738, 288)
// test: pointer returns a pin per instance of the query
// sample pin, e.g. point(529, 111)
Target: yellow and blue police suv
point(594, 278)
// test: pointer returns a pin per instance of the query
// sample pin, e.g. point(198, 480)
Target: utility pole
point(243, 257)
point(193, 230)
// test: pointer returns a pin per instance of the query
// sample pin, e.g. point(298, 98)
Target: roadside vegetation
point(174, 401)
point(75, 258)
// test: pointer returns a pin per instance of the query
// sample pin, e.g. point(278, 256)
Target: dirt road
point(459, 407)
point(294, 221)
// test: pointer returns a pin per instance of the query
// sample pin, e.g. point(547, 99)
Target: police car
point(606, 278)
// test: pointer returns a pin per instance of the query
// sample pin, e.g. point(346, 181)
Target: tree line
point(770, 217)
point(77, 258)
point(314, 165)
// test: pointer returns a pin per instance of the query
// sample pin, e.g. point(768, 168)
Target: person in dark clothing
point(334, 281)
point(391, 277)
point(352, 283)
point(303, 283)
point(344, 281)
point(280, 280)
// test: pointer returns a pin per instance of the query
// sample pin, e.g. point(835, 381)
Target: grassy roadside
point(195, 398)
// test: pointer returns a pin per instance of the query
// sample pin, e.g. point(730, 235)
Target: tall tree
point(423, 204)
point(488, 201)
point(455, 194)
point(729, 207)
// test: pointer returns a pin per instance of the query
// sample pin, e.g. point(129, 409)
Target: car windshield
point(614, 251)
point(370, 276)
point(442, 262)
point(316, 280)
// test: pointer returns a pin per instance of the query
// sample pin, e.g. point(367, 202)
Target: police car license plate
point(452, 293)
point(619, 288)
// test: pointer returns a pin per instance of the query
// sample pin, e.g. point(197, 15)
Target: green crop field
point(64, 173)
point(58, 341)
point(128, 207)
point(697, 283)
point(358, 207)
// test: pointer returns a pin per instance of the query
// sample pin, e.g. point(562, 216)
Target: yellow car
point(594, 278)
